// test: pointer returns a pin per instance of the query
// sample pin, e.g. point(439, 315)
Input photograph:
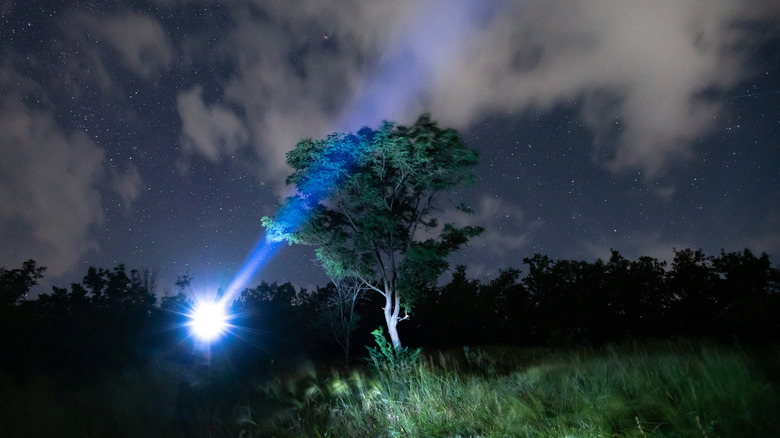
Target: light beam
point(261, 253)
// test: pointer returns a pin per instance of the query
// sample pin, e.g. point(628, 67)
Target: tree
point(556, 298)
point(335, 305)
point(640, 294)
point(103, 322)
point(17, 326)
point(15, 284)
point(441, 314)
point(366, 201)
point(691, 282)
point(503, 309)
point(747, 302)
point(273, 316)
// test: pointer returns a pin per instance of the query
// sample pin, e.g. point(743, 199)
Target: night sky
point(153, 133)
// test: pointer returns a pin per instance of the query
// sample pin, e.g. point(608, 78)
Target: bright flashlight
point(208, 320)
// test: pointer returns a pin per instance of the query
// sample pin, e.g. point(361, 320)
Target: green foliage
point(384, 358)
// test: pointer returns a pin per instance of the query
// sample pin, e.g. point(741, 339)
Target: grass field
point(651, 390)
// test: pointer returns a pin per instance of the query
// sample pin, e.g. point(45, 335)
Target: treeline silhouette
point(734, 296)
point(114, 319)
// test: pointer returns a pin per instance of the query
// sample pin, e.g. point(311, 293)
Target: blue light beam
point(257, 258)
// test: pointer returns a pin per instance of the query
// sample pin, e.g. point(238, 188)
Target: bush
point(384, 358)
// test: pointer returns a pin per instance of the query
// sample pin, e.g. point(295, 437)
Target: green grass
point(661, 390)
point(673, 391)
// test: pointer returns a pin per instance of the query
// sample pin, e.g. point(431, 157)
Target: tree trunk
point(392, 310)
point(346, 353)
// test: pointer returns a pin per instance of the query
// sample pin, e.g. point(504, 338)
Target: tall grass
point(664, 390)
point(674, 391)
point(126, 404)
point(158, 400)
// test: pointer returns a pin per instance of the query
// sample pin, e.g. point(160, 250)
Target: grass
point(662, 390)
point(673, 391)
point(159, 400)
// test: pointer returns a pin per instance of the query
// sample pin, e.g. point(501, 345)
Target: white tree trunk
point(392, 310)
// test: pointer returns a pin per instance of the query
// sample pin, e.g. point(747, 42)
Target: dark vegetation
point(110, 344)
point(734, 296)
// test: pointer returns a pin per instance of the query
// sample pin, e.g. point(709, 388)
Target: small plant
point(385, 358)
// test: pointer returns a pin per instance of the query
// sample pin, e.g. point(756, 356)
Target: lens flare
point(208, 320)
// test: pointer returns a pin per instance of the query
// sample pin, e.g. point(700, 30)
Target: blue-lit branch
point(324, 175)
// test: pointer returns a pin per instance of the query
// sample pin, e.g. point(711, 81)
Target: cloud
point(51, 181)
point(637, 70)
point(767, 237)
point(87, 49)
point(506, 233)
point(317, 67)
point(290, 79)
point(212, 131)
point(127, 184)
point(140, 40)
point(642, 74)
point(49, 200)
point(507, 236)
